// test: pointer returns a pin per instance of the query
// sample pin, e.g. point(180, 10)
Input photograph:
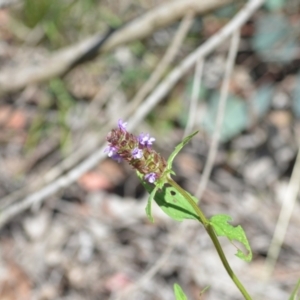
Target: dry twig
point(220, 114)
point(164, 63)
point(194, 97)
point(288, 204)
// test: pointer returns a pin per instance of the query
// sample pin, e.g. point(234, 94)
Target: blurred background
point(73, 224)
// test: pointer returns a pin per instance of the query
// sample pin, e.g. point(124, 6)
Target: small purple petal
point(117, 157)
point(122, 125)
point(137, 153)
point(111, 150)
point(145, 139)
point(151, 177)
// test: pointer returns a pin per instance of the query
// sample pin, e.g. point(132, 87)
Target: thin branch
point(164, 63)
point(158, 94)
point(220, 114)
point(283, 220)
point(194, 97)
point(62, 60)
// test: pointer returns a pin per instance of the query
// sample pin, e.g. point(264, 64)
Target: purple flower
point(117, 157)
point(122, 125)
point(137, 153)
point(151, 177)
point(145, 139)
point(111, 151)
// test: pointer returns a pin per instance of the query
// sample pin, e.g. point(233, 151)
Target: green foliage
point(37, 130)
point(66, 22)
point(171, 202)
point(36, 10)
point(179, 147)
point(134, 76)
point(276, 38)
point(203, 291)
point(50, 15)
point(275, 5)
point(238, 113)
point(138, 48)
point(227, 11)
point(109, 17)
point(179, 293)
point(235, 116)
point(179, 205)
point(42, 126)
point(167, 198)
point(189, 88)
point(184, 112)
point(64, 102)
point(261, 101)
point(222, 228)
point(295, 292)
point(149, 203)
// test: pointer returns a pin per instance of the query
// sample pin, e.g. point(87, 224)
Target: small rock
point(36, 226)
point(260, 172)
point(280, 118)
point(281, 100)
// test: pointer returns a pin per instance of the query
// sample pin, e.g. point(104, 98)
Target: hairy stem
point(211, 232)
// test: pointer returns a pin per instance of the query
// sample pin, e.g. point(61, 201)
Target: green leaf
point(148, 207)
point(261, 100)
point(171, 202)
point(274, 5)
point(179, 293)
point(179, 147)
point(235, 116)
point(222, 228)
point(295, 291)
point(275, 38)
point(167, 197)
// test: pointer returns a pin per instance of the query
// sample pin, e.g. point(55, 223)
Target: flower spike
point(137, 151)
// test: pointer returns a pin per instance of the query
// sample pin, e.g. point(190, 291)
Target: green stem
point(210, 230)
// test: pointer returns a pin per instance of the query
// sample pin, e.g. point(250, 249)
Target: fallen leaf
point(17, 120)
point(117, 282)
point(93, 181)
